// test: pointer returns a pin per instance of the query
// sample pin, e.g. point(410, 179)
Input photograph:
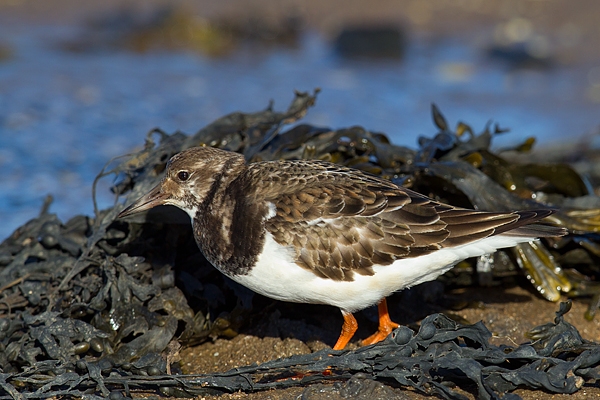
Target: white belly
point(277, 277)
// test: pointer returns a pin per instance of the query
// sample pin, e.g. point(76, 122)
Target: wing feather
point(341, 221)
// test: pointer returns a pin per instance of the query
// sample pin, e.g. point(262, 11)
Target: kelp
point(442, 351)
point(96, 304)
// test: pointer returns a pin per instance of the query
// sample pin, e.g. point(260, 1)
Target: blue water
point(64, 115)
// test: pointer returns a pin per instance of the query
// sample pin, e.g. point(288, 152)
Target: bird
point(310, 231)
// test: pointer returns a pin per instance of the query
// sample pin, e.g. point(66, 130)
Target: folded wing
point(340, 221)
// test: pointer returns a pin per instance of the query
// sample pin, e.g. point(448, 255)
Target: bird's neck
point(229, 227)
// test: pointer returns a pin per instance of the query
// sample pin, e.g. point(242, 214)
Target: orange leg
point(348, 329)
point(386, 325)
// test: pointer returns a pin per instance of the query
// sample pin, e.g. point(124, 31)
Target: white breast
point(275, 275)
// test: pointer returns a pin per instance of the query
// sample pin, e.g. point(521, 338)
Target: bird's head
point(188, 179)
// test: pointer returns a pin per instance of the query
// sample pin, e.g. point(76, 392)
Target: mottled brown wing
point(341, 221)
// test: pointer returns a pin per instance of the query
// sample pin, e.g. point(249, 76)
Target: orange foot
point(348, 329)
point(386, 325)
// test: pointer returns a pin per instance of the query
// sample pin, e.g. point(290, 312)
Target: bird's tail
point(526, 225)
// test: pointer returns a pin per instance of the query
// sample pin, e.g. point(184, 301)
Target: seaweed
point(559, 361)
point(97, 306)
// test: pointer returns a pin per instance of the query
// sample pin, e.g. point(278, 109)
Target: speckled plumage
point(316, 232)
point(341, 221)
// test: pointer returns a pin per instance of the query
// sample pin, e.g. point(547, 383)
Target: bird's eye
point(183, 175)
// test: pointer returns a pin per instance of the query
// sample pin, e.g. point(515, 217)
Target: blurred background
point(83, 81)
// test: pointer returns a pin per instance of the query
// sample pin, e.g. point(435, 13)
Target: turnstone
point(317, 232)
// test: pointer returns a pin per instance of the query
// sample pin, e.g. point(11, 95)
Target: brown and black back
point(341, 221)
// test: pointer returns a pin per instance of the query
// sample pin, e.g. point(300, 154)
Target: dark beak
point(152, 199)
